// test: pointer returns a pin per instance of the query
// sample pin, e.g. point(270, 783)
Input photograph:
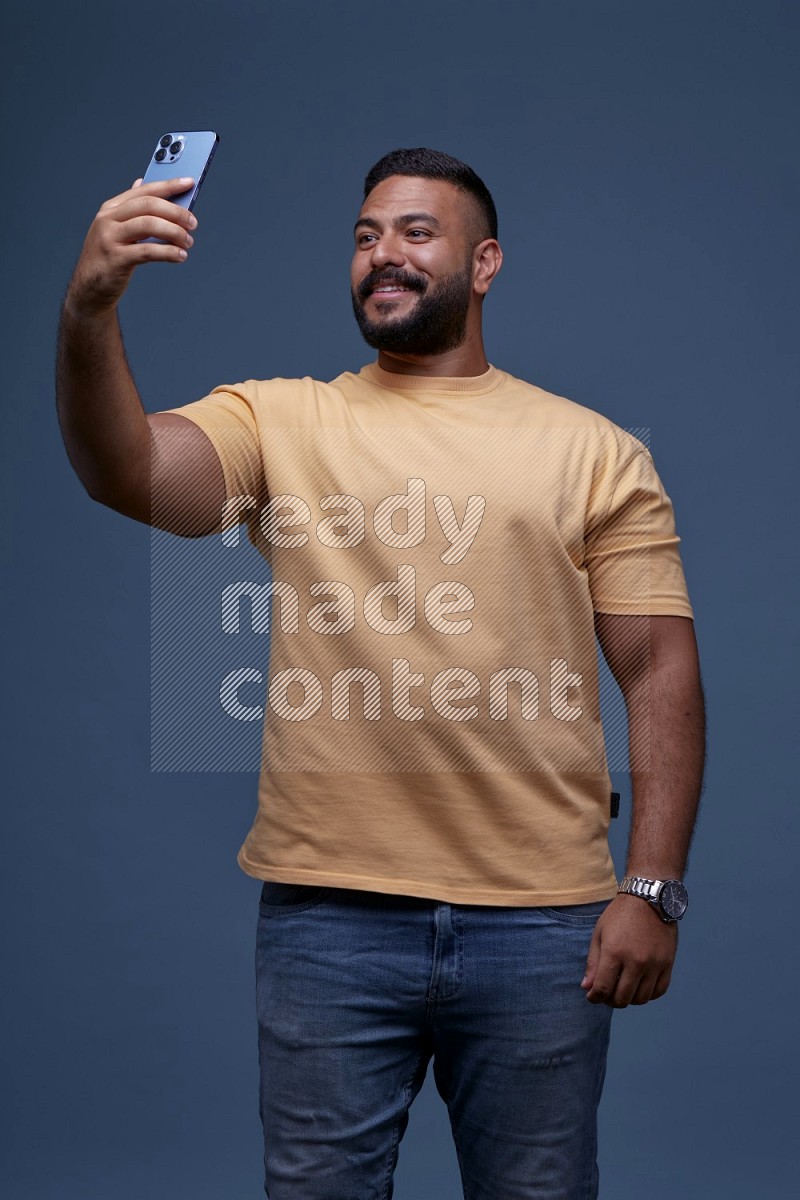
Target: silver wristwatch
point(668, 896)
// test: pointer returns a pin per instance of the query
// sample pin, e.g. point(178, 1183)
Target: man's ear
point(487, 260)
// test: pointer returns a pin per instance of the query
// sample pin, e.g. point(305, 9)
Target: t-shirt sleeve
point(227, 418)
point(632, 556)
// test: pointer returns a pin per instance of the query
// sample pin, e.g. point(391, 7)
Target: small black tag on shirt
point(615, 804)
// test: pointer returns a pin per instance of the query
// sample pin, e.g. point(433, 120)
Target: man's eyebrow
point(406, 219)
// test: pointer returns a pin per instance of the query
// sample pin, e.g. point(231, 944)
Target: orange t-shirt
point(437, 548)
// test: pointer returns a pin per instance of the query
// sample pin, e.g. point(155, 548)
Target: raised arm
point(159, 469)
point(654, 660)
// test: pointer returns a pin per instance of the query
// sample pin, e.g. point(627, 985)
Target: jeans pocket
point(577, 914)
point(282, 898)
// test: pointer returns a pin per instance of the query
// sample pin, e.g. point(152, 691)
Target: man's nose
point(387, 251)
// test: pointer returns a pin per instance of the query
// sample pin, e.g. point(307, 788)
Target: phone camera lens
point(160, 155)
point(166, 139)
point(176, 147)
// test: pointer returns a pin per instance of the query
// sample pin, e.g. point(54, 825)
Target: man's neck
point(468, 359)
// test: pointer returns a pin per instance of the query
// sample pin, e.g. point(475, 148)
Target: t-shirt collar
point(473, 384)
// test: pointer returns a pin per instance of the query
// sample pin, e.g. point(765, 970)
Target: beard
point(436, 323)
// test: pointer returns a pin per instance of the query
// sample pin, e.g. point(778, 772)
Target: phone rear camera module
point(160, 155)
point(166, 139)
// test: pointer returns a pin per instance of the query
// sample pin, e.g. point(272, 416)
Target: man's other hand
point(631, 954)
point(113, 247)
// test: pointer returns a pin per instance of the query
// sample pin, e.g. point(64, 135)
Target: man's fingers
point(157, 187)
point(652, 986)
point(605, 979)
point(132, 256)
point(636, 955)
point(137, 207)
point(180, 183)
point(620, 985)
point(616, 984)
point(147, 225)
point(644, 992)
point(116, 242)
point(662, 983)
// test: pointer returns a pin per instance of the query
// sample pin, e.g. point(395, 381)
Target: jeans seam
point(393, 1150)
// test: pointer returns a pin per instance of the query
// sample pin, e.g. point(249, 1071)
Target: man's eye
point(363, 237)
point(424, 232)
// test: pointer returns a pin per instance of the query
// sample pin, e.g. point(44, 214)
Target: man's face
point(412, 236)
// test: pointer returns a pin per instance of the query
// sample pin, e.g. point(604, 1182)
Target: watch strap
point(648, 889)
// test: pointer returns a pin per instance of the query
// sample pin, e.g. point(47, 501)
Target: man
point(445, 543)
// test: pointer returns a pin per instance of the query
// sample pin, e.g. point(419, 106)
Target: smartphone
point(182, 154)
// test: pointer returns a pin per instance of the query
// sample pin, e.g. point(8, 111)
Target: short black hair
point(434, 164)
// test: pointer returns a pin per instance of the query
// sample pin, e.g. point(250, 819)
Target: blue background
point(644, 161)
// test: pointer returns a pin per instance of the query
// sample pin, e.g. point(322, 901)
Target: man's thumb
point(591, 961)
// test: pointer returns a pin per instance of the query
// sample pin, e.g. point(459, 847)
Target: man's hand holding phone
point(113, 247)
point(158, 468)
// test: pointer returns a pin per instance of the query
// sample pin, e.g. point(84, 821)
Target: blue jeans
point(357, 990)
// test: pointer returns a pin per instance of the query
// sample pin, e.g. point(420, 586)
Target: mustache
point(374, 280)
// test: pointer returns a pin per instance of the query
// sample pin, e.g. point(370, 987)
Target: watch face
point(674, 899)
